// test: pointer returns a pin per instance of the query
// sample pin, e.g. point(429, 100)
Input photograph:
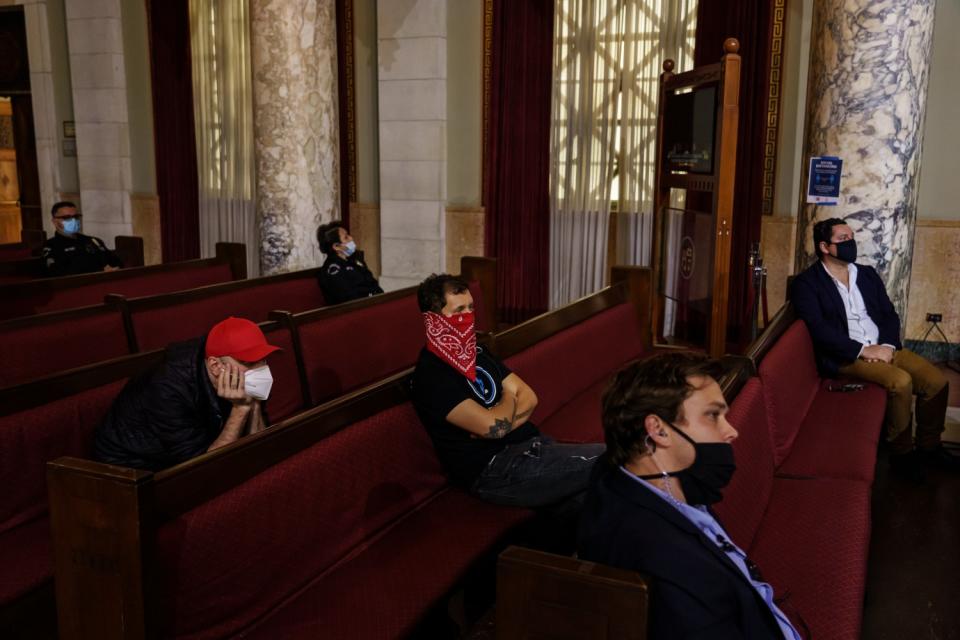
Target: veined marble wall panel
point(297, 129)
point(464, 235)
point(412, 90)
point(365, 229)
point(866, 103)
point(146, 224)
point(933, 284)
point(777, 243)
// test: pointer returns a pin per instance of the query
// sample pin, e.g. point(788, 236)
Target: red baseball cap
point(239, 339)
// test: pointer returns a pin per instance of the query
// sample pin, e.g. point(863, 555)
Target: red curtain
point(749, 22)
point(517, 169)
point(173, 129)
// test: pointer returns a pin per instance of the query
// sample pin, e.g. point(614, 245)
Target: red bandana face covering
point(453, 340)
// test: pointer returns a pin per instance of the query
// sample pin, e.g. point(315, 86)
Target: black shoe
point(940, 458)
point(908, 466)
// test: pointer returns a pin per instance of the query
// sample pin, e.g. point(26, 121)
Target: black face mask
point(846, 250)
point(712, 468)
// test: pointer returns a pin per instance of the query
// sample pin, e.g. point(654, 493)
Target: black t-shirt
point(438, 388)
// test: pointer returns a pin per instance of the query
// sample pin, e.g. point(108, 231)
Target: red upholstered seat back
point(569, 362)
point(181, 320)
point(790, 382)
point(347, 351)
point(35, 350)
point(231, 560)
point(745, 499)
point(10, 252)
point(286, 396)
point(31, 438)
point(146, 284)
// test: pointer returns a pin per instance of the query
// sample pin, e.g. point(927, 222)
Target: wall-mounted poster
point(824, 180)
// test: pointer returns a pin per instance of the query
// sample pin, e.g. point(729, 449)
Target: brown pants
point(907, 375)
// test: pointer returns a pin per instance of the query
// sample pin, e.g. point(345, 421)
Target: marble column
point(296, 128)
point(412, 81)
point(866, 99)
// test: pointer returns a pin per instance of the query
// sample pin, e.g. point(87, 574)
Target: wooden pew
point(543, 595)
point(31, 267)
point(32, 297)
point(54, 416)
point(31, 242)
point(111, 524)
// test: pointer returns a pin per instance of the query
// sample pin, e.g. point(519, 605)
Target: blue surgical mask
point(349, 248)
point(71, 226)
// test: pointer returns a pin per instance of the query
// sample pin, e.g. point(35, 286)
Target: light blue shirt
point(711, 529)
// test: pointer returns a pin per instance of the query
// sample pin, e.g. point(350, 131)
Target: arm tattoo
point(502, 426)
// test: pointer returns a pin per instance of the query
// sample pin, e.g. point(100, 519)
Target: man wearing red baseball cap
point(207, 394)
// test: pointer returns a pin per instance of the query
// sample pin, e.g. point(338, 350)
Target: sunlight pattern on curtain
point(223, 110)
point(607, 57)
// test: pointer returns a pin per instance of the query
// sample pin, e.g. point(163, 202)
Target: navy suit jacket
point(818, 303)
point(697, 592)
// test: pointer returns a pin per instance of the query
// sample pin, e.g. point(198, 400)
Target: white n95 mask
point(258, 382)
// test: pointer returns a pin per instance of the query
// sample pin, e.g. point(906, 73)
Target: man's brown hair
point(655, 386)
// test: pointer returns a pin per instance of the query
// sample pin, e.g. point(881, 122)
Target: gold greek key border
point(487, 78)
point(777, 23)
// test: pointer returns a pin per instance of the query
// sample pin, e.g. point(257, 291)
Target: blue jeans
point(537, 473)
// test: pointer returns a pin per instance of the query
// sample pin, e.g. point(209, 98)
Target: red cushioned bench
point(800, 500)
point(55, 416)
point(68, 292)
point(336, 523)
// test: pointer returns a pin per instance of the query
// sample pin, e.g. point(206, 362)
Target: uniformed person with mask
point(69, 252)
point(344, 275)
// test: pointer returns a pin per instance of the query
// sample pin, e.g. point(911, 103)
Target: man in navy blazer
point(856, 333)
point(668, 455)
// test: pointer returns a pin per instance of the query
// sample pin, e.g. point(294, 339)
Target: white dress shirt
point(859, 325)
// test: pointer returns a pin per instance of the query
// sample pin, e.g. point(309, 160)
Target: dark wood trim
point(33, 238)
point(760, 347)
point(130, 250)
point(231, 253)
point(316, 315)
point(285, 318)
point(103, 529)
point(41, 391)
point(484, 271)
point(173, 298)
point(122, 305)
point(53, 317)
point(234, 254)
point(534, 587)
point(738, 369)
point(639, 292)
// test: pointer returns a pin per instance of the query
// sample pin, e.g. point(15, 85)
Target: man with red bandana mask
point(477, 412)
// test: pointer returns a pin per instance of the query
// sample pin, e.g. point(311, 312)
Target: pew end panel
point(102, 517)
point(130, 250)
point(640, 292)
point(542, 595)
point(234, 254)
point(484, 272)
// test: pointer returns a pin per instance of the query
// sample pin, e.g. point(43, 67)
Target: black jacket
point(165, 416)
point(342, 280)
point(696, 591)
point(72, 255)
point(818, 303)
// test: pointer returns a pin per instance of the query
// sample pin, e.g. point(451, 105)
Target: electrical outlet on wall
point(934, 317)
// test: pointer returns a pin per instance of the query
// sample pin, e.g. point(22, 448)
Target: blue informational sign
point(824, 180)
